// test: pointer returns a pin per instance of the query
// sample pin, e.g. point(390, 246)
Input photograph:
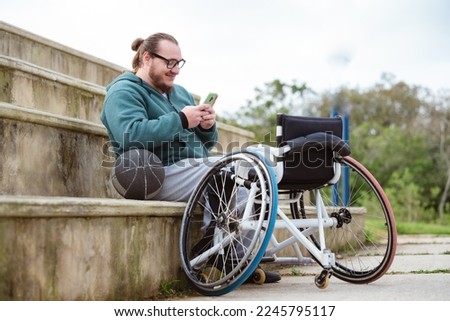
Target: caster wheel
point(259, 276)
point(322, 280)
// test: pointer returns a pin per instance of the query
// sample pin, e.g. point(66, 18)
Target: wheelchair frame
point(229, 224)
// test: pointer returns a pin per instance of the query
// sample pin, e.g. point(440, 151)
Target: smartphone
point(211, 99)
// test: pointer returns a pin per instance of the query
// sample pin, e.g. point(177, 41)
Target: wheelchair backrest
point(313, 166)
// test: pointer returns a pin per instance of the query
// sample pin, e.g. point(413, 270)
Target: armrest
point(319, 140)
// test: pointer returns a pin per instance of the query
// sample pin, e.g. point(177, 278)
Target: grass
point(168, 287)
point(297, 272)
point(411, 228)
point(438, 271)
point(415, 228)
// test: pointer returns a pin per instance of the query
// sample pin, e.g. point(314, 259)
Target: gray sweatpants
point(183, 177)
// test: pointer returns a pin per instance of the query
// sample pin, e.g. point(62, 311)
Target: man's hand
point(209, 119)
point(203, 115)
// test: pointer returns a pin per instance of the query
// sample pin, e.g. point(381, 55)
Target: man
point(146, 109)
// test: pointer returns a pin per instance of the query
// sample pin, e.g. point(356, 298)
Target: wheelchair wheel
point(228, 223)
point(364, 240)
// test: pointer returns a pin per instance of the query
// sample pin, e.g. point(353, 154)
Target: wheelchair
point(255, 205)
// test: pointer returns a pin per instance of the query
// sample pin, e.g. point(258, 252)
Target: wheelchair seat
point(314, 141)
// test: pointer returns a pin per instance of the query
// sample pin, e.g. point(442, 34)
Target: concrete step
point(52, 155)
point(68, 248)
point(24, 45)
point(25, 84)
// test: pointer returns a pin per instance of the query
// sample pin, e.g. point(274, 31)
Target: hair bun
point(136, 44)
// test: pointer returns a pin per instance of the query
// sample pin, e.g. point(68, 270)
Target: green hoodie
point(138, 116)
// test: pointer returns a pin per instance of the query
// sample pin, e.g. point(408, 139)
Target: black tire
point(219, 255)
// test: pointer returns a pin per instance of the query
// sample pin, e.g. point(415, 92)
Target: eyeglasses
point(171, 63)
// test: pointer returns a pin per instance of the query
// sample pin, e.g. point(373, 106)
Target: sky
point(233, 46)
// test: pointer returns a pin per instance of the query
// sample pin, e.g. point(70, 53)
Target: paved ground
point(420, 272)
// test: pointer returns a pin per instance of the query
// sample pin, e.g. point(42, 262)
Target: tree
point(259, 115)
point(386, 103)
point(438, 130)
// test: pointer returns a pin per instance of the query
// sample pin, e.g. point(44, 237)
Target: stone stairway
point(65, 233)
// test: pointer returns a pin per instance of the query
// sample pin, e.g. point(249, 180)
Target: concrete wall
point(25, 84)
point(41, 159)
point(86, 249)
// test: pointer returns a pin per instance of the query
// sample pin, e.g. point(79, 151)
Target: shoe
point(270, 277)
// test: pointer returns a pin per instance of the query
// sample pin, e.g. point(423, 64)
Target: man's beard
point(158, 81)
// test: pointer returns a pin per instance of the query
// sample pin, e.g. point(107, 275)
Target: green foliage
point(259, 115)
point(394, 155)
point(169, 287)
point(296, 272)
point(405, 197)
